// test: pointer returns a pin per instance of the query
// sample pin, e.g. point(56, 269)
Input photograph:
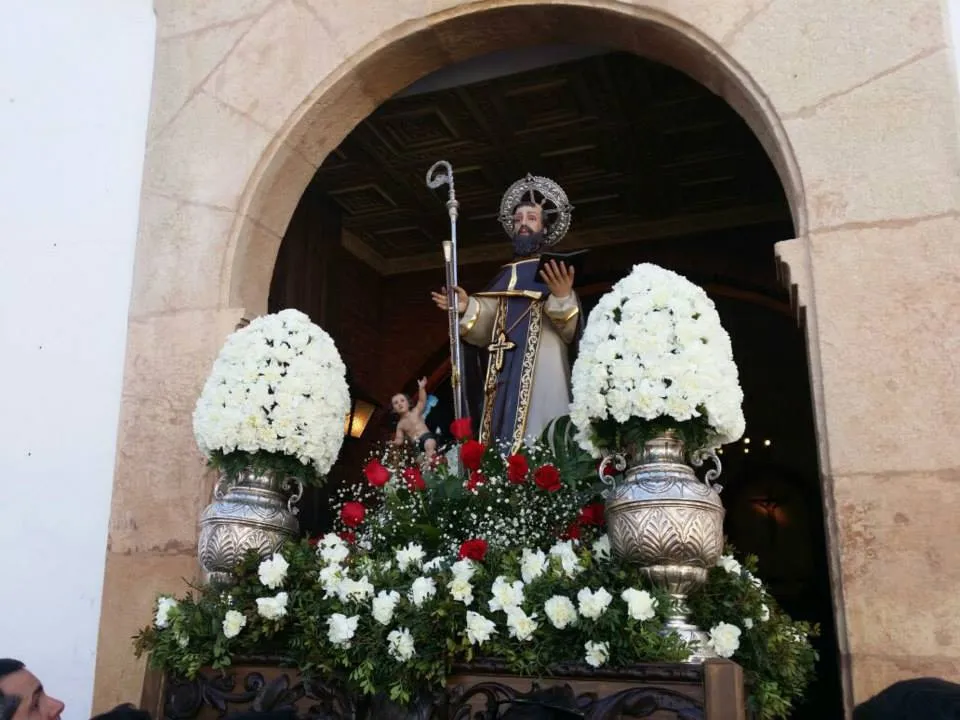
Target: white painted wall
point(75, 79)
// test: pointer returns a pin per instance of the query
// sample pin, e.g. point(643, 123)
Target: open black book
point(575, 259)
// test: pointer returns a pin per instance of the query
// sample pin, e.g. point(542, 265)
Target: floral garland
point(407, 588)
point(395, 622)
point(654, 356)
point(276, 399)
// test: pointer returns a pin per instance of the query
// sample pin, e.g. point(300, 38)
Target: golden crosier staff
point(440, 174)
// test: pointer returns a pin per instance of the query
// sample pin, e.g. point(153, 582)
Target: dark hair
point(8, 666)
point(926, 698)
point(9, 703)
point(127, 711)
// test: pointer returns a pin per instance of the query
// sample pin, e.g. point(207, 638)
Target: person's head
point(35, 704)
point(926, 698)
point(400, 404)
point(528, 228)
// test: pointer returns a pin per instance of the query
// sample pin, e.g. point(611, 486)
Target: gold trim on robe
point(526, 375)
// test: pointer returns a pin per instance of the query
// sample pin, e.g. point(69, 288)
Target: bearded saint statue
point(524, 320)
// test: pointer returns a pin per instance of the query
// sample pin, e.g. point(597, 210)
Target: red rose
point(348, 536)
point(377, 474)
point(461, 429)
point(572, 532)
point(471, 454)
point(592, 514)
point(517, 468)
point(476, 479)
point(352, 513)
point(414, 479)
point(473, 549)
point(547, 477)
point(314, 541)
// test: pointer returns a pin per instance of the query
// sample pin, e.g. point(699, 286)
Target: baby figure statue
point(411, 424)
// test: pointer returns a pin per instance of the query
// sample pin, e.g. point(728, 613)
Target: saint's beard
point(526, 245)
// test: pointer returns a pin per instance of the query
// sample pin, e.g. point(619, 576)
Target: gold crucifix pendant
point(498, 349)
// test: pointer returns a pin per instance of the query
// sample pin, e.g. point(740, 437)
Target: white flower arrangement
point(410, 625)
point(278, 387)
point(654, 350)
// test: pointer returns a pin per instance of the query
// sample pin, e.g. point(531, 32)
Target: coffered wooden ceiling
point(642, 150)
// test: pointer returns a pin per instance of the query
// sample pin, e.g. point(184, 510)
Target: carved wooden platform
point(482, 690)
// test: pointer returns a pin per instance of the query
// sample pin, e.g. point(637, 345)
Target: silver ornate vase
point(251, 511)
point(670, 523)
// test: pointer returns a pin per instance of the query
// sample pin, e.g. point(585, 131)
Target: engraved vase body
point(253, 511)
point(669, 523)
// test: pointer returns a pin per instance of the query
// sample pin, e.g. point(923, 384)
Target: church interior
point(658, 170)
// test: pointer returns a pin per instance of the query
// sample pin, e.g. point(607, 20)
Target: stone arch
point(249, 96)
point(380, 69)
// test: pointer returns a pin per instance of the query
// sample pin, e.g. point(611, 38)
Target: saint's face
point(35, 704)
point(400, 404)
point(527, 220)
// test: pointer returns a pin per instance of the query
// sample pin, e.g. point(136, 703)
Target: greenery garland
point(199, 631)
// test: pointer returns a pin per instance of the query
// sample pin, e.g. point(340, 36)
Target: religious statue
point(411, 423)
point(525, 319)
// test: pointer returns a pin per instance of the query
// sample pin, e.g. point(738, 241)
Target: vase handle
point(295, 497)
point(618, 462)
point(224, 482)
point(699, 457)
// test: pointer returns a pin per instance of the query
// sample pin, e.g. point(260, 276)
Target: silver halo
point(542, 191)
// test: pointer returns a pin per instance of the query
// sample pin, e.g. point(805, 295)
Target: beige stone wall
point(855, 102)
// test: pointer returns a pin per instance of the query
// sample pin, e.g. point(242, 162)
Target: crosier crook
point(440, 174)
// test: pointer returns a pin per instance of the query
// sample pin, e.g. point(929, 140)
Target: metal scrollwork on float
point(220, 695)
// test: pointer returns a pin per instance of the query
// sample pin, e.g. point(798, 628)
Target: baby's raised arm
point(421, 396)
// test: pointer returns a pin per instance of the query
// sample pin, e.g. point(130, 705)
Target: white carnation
point(331, 577)
point(355, 590)
point(233, 623)
point(724, 639)
point(521, 625)
point(272, 608)
point(593, 604)
point(764, 613)
point(410, 556)
point(506, 594)
point(601, 547)
point(400, 645)
point(730, 564)
point(641, 605)
point(532, 564)
point(383, 606)
point(461, 590)
point(332, 549)
point(569, 561)
point(597, 653)
point(341, 629)
point(164, 606)
point(463, 569)
point(560, 611)
point(479, 628)
point(423, 589)
point(273, 571)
